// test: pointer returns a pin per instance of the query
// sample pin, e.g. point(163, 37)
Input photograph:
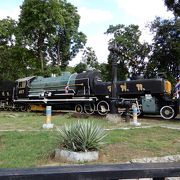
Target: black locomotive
point(86, 92)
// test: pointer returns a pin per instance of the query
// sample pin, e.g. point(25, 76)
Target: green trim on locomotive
point(52, 86)
point(78, 85)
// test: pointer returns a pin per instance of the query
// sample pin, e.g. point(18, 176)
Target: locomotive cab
point(22, 87)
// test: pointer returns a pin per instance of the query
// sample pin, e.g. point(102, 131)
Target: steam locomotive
point(86, 92)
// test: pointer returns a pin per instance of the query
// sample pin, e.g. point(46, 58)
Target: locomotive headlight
point(167, 87)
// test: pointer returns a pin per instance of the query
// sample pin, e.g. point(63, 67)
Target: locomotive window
point(22, 84)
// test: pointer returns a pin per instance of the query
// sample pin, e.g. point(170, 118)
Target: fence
point(157, 171)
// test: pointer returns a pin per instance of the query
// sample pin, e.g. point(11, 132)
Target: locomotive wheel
point(6, 108)
point(89, 108)
point(11, 108)
point(23, 108)
point(79, 108)
point(16, 108)
point(28, 108)
point(102, 108)
point(167, 112)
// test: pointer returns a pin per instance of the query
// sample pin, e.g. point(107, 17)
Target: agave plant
point(82, 136)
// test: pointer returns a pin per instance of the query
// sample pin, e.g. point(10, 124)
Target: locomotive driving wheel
point(28, 108)
point(167, 112)
point(103, 108)
point(23, 108)
point(79, 108)
point(11, 106)
point(89, 108)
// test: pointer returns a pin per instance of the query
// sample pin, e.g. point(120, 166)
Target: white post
point(135, 111)
point(48, 124)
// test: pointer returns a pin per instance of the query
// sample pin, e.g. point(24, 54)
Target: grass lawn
point(23, 142)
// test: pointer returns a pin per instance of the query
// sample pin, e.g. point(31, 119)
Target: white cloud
point(143, 10)
point(89, 16)
point(99, 42)
point(76, 60)
point(11, 12)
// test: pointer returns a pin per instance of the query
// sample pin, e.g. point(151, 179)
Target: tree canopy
point(165, 48)
point(173, 5)
point(89, 57)
point(46, 38)
point(132, 53)
point(89, 60)
point(42, 41)
point(50, 29)
point(12, 55)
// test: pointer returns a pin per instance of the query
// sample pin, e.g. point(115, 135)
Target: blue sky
point(97, 15)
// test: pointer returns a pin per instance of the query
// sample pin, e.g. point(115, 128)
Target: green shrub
point(82, 136)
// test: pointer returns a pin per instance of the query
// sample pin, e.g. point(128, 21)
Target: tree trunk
point(42, 61)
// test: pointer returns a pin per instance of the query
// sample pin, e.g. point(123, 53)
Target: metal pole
point(114, 79)
point(113, 107)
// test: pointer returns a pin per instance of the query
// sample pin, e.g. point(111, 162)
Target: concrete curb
point(165, 159)
point(77, 156)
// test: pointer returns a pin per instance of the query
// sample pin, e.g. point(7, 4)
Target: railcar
point(154, 96)
point(6, 94)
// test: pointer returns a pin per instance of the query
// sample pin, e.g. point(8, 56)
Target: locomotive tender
point(86, 92)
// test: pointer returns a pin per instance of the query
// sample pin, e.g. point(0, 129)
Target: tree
point(132, 53)
point(16, 61)
point(50, 29)
point(89, 58)
point(105, 72)
point(173, 5)
point(7, 31)
point(79, 68)
point(165, 48)
point(88, 61)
